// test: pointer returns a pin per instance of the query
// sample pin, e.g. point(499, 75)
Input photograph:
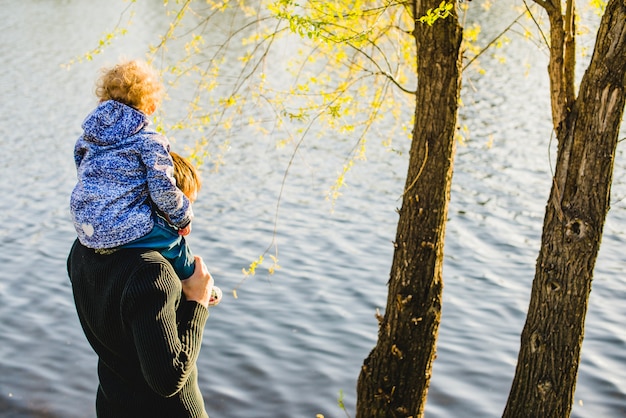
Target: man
point(146, 327)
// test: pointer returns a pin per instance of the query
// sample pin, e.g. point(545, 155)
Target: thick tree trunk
point(395, 377)
point(545, 377)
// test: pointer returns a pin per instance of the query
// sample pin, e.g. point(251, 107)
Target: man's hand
point(198, 287)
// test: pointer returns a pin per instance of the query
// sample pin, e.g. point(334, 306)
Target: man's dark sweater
point(146, 335)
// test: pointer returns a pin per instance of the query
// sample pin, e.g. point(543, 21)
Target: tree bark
point(395, 376)
point(547, 368)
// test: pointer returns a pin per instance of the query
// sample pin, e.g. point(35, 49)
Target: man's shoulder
point(129, 259)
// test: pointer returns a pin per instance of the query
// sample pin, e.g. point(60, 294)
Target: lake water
point(294, 341)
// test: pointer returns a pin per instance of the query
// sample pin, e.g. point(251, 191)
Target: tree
point(587, 129)
point(395, 376)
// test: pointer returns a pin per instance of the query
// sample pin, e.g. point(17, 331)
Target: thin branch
point(493, 41)
point(543, 35)
point(173, 25)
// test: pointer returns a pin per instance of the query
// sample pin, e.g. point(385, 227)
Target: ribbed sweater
point(146, 335)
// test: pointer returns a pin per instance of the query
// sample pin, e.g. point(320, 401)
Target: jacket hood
point(113, 121)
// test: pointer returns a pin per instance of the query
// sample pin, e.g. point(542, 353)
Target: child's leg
point(181, 258)
point(165, 239)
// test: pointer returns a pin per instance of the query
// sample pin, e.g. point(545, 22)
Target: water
point(292, 342)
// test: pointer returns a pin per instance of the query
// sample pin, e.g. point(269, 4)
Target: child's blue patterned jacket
point(122, 167)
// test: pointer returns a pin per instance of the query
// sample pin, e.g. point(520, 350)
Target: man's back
point(146, 335)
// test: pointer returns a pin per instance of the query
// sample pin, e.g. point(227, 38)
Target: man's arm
point(167, 329)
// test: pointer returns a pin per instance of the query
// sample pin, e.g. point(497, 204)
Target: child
point(126, 174)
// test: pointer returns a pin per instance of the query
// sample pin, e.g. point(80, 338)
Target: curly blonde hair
point(134, 83)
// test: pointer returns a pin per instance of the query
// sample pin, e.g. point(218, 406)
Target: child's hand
point(185, 231)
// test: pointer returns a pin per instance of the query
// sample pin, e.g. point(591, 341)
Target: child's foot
point(216, 296)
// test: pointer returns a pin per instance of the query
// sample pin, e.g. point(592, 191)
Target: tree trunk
point(545, 377)
point(394, 378)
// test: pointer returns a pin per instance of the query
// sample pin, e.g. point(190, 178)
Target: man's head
point(187, 177)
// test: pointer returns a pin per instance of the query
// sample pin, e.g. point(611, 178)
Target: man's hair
point(134, 83)
point(186, 175)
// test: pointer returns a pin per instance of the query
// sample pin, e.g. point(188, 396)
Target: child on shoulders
point(126, 194)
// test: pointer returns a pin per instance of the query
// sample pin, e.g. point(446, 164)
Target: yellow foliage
point(106, 40)
point(217, 5)
point(353, 67)
point(251, 270)
point(272, 269)
point(441, 12)
point(246, 57)
point(599, 6)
